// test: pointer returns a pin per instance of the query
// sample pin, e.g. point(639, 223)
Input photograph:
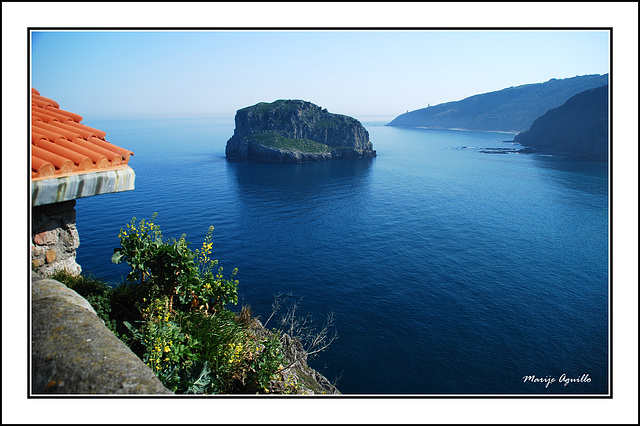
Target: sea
point(447, 270)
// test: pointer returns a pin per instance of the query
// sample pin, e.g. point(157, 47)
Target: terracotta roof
point(61, 145)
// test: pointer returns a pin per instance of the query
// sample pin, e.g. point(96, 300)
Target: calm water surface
point(449, 271)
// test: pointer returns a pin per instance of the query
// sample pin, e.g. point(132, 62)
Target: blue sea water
point(449, 271)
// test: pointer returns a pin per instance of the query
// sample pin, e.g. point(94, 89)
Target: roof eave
point(78, 185)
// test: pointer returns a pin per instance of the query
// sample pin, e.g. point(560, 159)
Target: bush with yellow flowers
point(172, 311)
point(172, 269)
point(184, 332)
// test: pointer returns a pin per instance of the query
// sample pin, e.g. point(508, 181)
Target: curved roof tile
point(61, 145)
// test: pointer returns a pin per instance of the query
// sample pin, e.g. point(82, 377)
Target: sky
point(368, 74)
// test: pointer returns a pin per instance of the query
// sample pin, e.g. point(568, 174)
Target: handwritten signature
point(563, 379)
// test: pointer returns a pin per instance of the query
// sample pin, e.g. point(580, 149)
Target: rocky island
point(296, 131)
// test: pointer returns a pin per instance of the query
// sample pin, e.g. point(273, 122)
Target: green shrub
point(171, 311)
point(273, 139)
point(267, 363)
point(172, 269)
point(182, 329)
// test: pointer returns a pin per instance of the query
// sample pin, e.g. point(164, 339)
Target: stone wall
point(54, 238)
point(73, 352)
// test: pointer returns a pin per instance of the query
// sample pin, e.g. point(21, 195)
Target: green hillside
point(512, 109)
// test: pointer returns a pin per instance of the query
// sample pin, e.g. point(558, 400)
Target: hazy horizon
point(370, 75)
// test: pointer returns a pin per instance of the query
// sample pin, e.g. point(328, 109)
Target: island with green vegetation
point(296, 131)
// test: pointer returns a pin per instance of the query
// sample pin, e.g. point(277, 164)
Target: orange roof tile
point(61, 145)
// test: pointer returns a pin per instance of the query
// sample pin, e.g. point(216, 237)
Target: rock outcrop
point(295, 131)
point(579, 127)
point(297, 377)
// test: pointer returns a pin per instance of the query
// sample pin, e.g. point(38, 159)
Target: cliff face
point(296, 131)
point(305, 380)
point(579, 127)
point(511, 109)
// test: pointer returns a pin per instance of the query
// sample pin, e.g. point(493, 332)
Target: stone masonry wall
point(54, 238)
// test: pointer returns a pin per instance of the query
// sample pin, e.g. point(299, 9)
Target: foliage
point(167, 347)
point(182, 329)
point(172, 312)
point(172, 269)
point(240, 361)
point(219, 344)
point(267, 361)
point(273, 139)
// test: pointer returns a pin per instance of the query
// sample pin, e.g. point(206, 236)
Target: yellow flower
point(167, 349)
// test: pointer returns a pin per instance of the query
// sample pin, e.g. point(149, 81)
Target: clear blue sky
point(366, 74)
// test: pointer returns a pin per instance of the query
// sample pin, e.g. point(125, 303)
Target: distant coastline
point(509, 109)
point(460, 129)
